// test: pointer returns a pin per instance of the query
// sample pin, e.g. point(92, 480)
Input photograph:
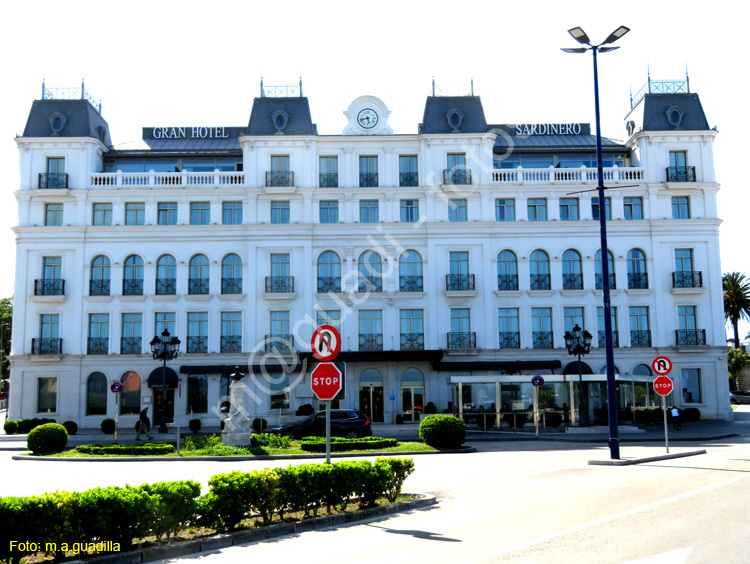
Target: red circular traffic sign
point(326, 343)
point(326, 381)
point(663, 386)
point(116, 387)
point(537, 381)
point(662, 365)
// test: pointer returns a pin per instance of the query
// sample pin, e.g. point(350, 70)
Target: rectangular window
point(280, 397)
point(683, 260)
point(640, 333)
point(279, 212)
point(329, 172)
point(600, 326)
point(370, 330)
point(541, 327)
point(328, 317)
point(692, 391)
point(98, 333)
point(456, 173)
point(569, 209)
point(55, 165)
point(197, 332)
point(460, 321)
point(165, 320)
point(231, 213)
point(537, 209)
point(368, 211)
point(135, 213)
point(51, 268)
point(409, 211)
point(572, 316)
point(368, 172)
point(686, 318)
point(459, 262)
point(412, 329)
point(280, 324)
point(231, 331)
point(633, 208)
point(457, 210)
point(680, 207)
point(200, 213)
point(329, 211)
point(508, 329)
point(407, 170)
point(46, 397)
point(505, 210)
point(678, 158)
point(102, 214)
point(595, 208)
point(53, 215)
point(167, 213)
point(132, 332)
point(280, 163)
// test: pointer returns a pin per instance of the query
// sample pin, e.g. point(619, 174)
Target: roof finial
point(300, 84)
point(648, 69)
point(631, 96)
point(83, 90)
point(472, 85)
point(262, 92)
point(687, 77)
point(433, 86)
point(43, 89)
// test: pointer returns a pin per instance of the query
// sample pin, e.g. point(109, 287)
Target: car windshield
point(310, 418)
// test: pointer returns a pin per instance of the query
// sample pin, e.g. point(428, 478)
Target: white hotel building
point(453, 259)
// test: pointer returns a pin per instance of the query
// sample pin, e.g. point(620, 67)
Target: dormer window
point(280, 120)
point(455, 118)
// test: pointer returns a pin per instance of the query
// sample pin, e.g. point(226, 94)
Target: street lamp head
point(580, 35)
point(574, 49)
point(174, 346)
point(577, 332)
point(165, 335)
point(568, 341)
point(616, 34)
point(155, 345)
point(587, 337)
point(607, 49)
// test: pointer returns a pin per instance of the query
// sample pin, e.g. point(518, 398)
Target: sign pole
point(328, 431)
point(536, 411)
point(117, 413)
point(664, 409)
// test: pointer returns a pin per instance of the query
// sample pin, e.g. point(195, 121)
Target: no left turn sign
point(326, 343)
point(662, 365)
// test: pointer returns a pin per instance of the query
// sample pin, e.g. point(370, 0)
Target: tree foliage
point(6, 320)
point(736, 301)
point(737, 360)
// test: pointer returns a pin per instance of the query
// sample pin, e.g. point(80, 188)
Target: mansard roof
point(438, 110)
point(295, 112)
point(78, 119)
point(668, 112)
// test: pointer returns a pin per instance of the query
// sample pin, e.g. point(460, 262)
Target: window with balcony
point(407, 171)
point(370, 267)
point(569, 209)
point(595, 209)
point(692, 390)
point(98, 334)
point(101, 214)
point(505, 209)
point(409, 211)
point(166, 213)
point(200, 213)
point(509, 336)
point(231, 274)
point(507, 271)
point(370, 330)
point(198, 278)
point(51, 283)
point(49, 341)
point(456, 173)
point(633, 208)
point(637, 275)
point(600, 327)
point(541, 327)
point(368, 172)
point(96, 394)
point(457, 210)
point(459, 278)
point(678, 170)
point(684, 276)
point(368, 211)
point(572, 270)
point(166, 277)
point(640, 331)
point(55, 177)
point(329, 273)
point(100, 276)
point(135, 213)
point(688, 333)
point(132, 333)
point(231, 331)
point(412, 329)
point(280, 174)
point(281, 281)
point(329, 211)
point(329, 172)
point(539, 270)
point(410, 272)
point(231, 213)
point(132, 276)
point(537, 209)
point(280, 212)
point(53, 215)
point(680, 207)
point(610, 267)
point(461, 335)
point(280, 338)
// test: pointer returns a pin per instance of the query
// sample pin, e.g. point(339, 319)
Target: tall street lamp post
point(579, 35)
point(164, 349)
point(579, 343)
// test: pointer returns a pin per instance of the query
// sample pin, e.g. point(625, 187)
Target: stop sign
point(326, 381)
point(663, 386)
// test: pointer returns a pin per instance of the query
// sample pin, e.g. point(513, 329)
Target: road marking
point(679, 556)
point(601, 521)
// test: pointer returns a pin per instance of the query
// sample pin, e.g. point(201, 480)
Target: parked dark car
point(739, 396)
point(349, 423)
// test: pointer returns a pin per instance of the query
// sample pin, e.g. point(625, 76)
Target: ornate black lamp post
point(579, 35)
point(579, 343)
point(164, 349)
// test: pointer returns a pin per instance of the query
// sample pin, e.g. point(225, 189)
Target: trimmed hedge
point(71, 427)
point(338, 444)
point(108, 426)
point(553, 419)
point(10, 427)
point(269, 440)
point(259, 424)
point(145, 449)
point(24, 426)
point(442, 431)
point(195, 425)
point(47, 438)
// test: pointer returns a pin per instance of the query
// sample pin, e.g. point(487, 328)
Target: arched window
point(231, 275)
point(130, 397)
point(571, 267)
point(598, 269)
point(370, 272)
point(166, 275)
point(329, 273)
point(642, 370)
point(132, 280)
point(198, 277)
point(410, 272)
point(197, 394)
point(100, 276)
point(539, 269)
point(96, 394)
point(507, 271)
point(637, 275)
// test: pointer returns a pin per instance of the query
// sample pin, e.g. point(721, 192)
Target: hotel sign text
point(553, 129)
point(218, 132)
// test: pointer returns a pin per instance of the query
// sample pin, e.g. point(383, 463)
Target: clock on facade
point(367, 118)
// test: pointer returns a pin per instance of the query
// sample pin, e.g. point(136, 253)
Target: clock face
point(367, 118)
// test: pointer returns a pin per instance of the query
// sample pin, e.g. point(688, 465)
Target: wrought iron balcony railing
point(457, 176)
point(329, 284)
point(130, 345)
point(329, 180)
point(600, 281)
point(410, 284)
point(687, 279)
point(540, 282)
point(408, 179)
point(132, 287)
point(694, 337)
point(279, 343)
point(231, 285)
point(53, 287)
point(46, 346)
point(572, 281)
point(371, 342)
point(197, 285)
point(680, 174)
point(640, 338)
point(231, 344)
point(166, 286)
point(370, 284)
point(99, 287)
point(615, 339)
point(368, 179)
point(638, 281)
point(459, 282)
point(462, 340)
point(197, 344)
point(542, 339)
point(509, 340)
point(279, 284)
point(53, 180)
point(98, 345)
point(507, 282)
point(412, 341)
point(280, 178)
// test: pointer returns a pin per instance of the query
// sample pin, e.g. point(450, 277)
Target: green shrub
point(145, 449)
point(269, 440)
point(47, 438)
point(26, 425)
point(259, 424)
point(372, 481)
point(304, 410)
point(552, 419)
point(691, 414)
point(10, 427)
point(71, 427)
point(176, 508)
point(108, 426)
point(401, 468)
point(290, 490)
point(517, 419)
point(338, 444)
point(195, 425)
point(228, 500)
point(442, 431)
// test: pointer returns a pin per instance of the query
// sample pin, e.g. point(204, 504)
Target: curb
point(631, 461)
point(603, 438)
point(278, 530)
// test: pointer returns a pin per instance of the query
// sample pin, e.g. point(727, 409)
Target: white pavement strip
point(583, 526)
point(679, 556)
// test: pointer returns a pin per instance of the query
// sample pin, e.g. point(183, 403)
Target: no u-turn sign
point(326, 343)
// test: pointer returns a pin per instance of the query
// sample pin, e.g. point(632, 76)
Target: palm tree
point(736, 301)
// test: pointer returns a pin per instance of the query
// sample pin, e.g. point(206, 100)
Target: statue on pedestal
point(237, 426)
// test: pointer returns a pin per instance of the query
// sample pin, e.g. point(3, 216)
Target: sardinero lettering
point(65, 547)
point(548, 129)
point(190, 133)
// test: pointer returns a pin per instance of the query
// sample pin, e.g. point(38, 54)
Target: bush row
point(122, 514)
point(145, 449)
point(318, 444)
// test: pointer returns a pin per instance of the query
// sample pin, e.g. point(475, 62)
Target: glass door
point(412, 402)
point(371, 400)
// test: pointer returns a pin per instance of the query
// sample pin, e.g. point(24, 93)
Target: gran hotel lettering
point(189, 133)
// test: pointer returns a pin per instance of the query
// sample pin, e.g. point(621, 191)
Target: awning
point(157, 378)
point(507, 366)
